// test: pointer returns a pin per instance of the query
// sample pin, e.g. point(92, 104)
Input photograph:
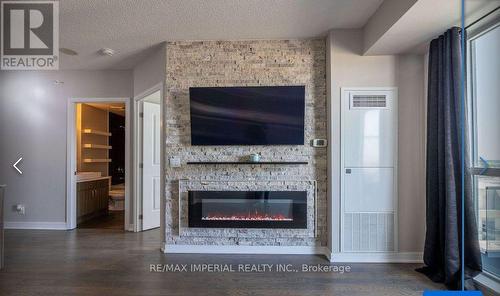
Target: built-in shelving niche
point(96, 146)
point(93, 139)
point(94, 160)
point(96, 132)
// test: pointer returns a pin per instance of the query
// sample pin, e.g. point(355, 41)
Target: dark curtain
point(442, 253)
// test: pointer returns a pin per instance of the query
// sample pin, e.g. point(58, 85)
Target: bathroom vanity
point(92, 198)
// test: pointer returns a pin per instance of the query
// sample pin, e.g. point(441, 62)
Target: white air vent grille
point(368, 101)
point(368, 232)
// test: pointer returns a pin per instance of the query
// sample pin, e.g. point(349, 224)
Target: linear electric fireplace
point(248, 209)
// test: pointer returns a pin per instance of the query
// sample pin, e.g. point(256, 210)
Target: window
point(484, 96)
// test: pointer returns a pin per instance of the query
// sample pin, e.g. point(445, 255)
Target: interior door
point(151, 166)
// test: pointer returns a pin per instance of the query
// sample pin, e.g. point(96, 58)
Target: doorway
point(148, 158)
point(98, 164)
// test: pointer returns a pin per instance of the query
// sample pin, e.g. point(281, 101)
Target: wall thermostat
point(319, 143)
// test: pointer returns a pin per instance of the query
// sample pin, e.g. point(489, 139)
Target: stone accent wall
point(245, 63)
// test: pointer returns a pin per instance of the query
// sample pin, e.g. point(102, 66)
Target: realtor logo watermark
point(30, 35)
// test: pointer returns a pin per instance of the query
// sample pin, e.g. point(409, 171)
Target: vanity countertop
point(93, 179)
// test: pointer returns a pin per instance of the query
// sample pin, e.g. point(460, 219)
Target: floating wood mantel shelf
point(247, 162)
point(96, 132)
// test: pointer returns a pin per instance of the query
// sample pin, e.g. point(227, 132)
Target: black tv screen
point(270, 115)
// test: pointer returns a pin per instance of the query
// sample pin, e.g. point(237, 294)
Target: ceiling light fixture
point(68, 51)
point(106, 52)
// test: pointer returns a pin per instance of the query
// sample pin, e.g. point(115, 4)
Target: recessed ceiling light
point(106, 51)
point(68, 51)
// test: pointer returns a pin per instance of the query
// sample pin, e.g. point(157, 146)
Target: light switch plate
point(174, 162)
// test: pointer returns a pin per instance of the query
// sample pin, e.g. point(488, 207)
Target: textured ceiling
point(134, 27)
point(426, 20)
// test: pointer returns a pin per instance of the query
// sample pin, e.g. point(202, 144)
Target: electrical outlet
point(20, 209)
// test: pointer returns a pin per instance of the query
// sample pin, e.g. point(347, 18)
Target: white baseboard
point(214, 249)
point(36, 225)
point(393, 257)
point(398, 257)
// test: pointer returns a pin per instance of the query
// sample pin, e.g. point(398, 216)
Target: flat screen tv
point(268, 115)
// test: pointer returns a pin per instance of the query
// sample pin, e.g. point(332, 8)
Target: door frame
point(71, 159)
point(138, 156)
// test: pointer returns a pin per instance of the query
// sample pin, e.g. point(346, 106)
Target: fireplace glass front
point(248, 209)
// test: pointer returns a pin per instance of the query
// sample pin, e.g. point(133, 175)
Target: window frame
point(475, 166)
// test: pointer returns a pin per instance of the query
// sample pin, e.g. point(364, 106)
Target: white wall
point(411, 172)
point(146, 74)
point(348, 68)
point(33, 125)
point(150, 71)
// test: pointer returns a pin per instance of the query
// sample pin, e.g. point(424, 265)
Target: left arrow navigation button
point(16, 164)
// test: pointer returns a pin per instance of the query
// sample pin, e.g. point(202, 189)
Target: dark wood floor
point(113, 220)
point(113, 262)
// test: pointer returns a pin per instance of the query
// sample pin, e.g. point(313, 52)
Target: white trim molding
point(214, 249)
point(395, 257)
point(36, 225)
point(129, 227)
point(392, 257)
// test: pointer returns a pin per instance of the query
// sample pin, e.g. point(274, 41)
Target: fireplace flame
point(256, 216)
